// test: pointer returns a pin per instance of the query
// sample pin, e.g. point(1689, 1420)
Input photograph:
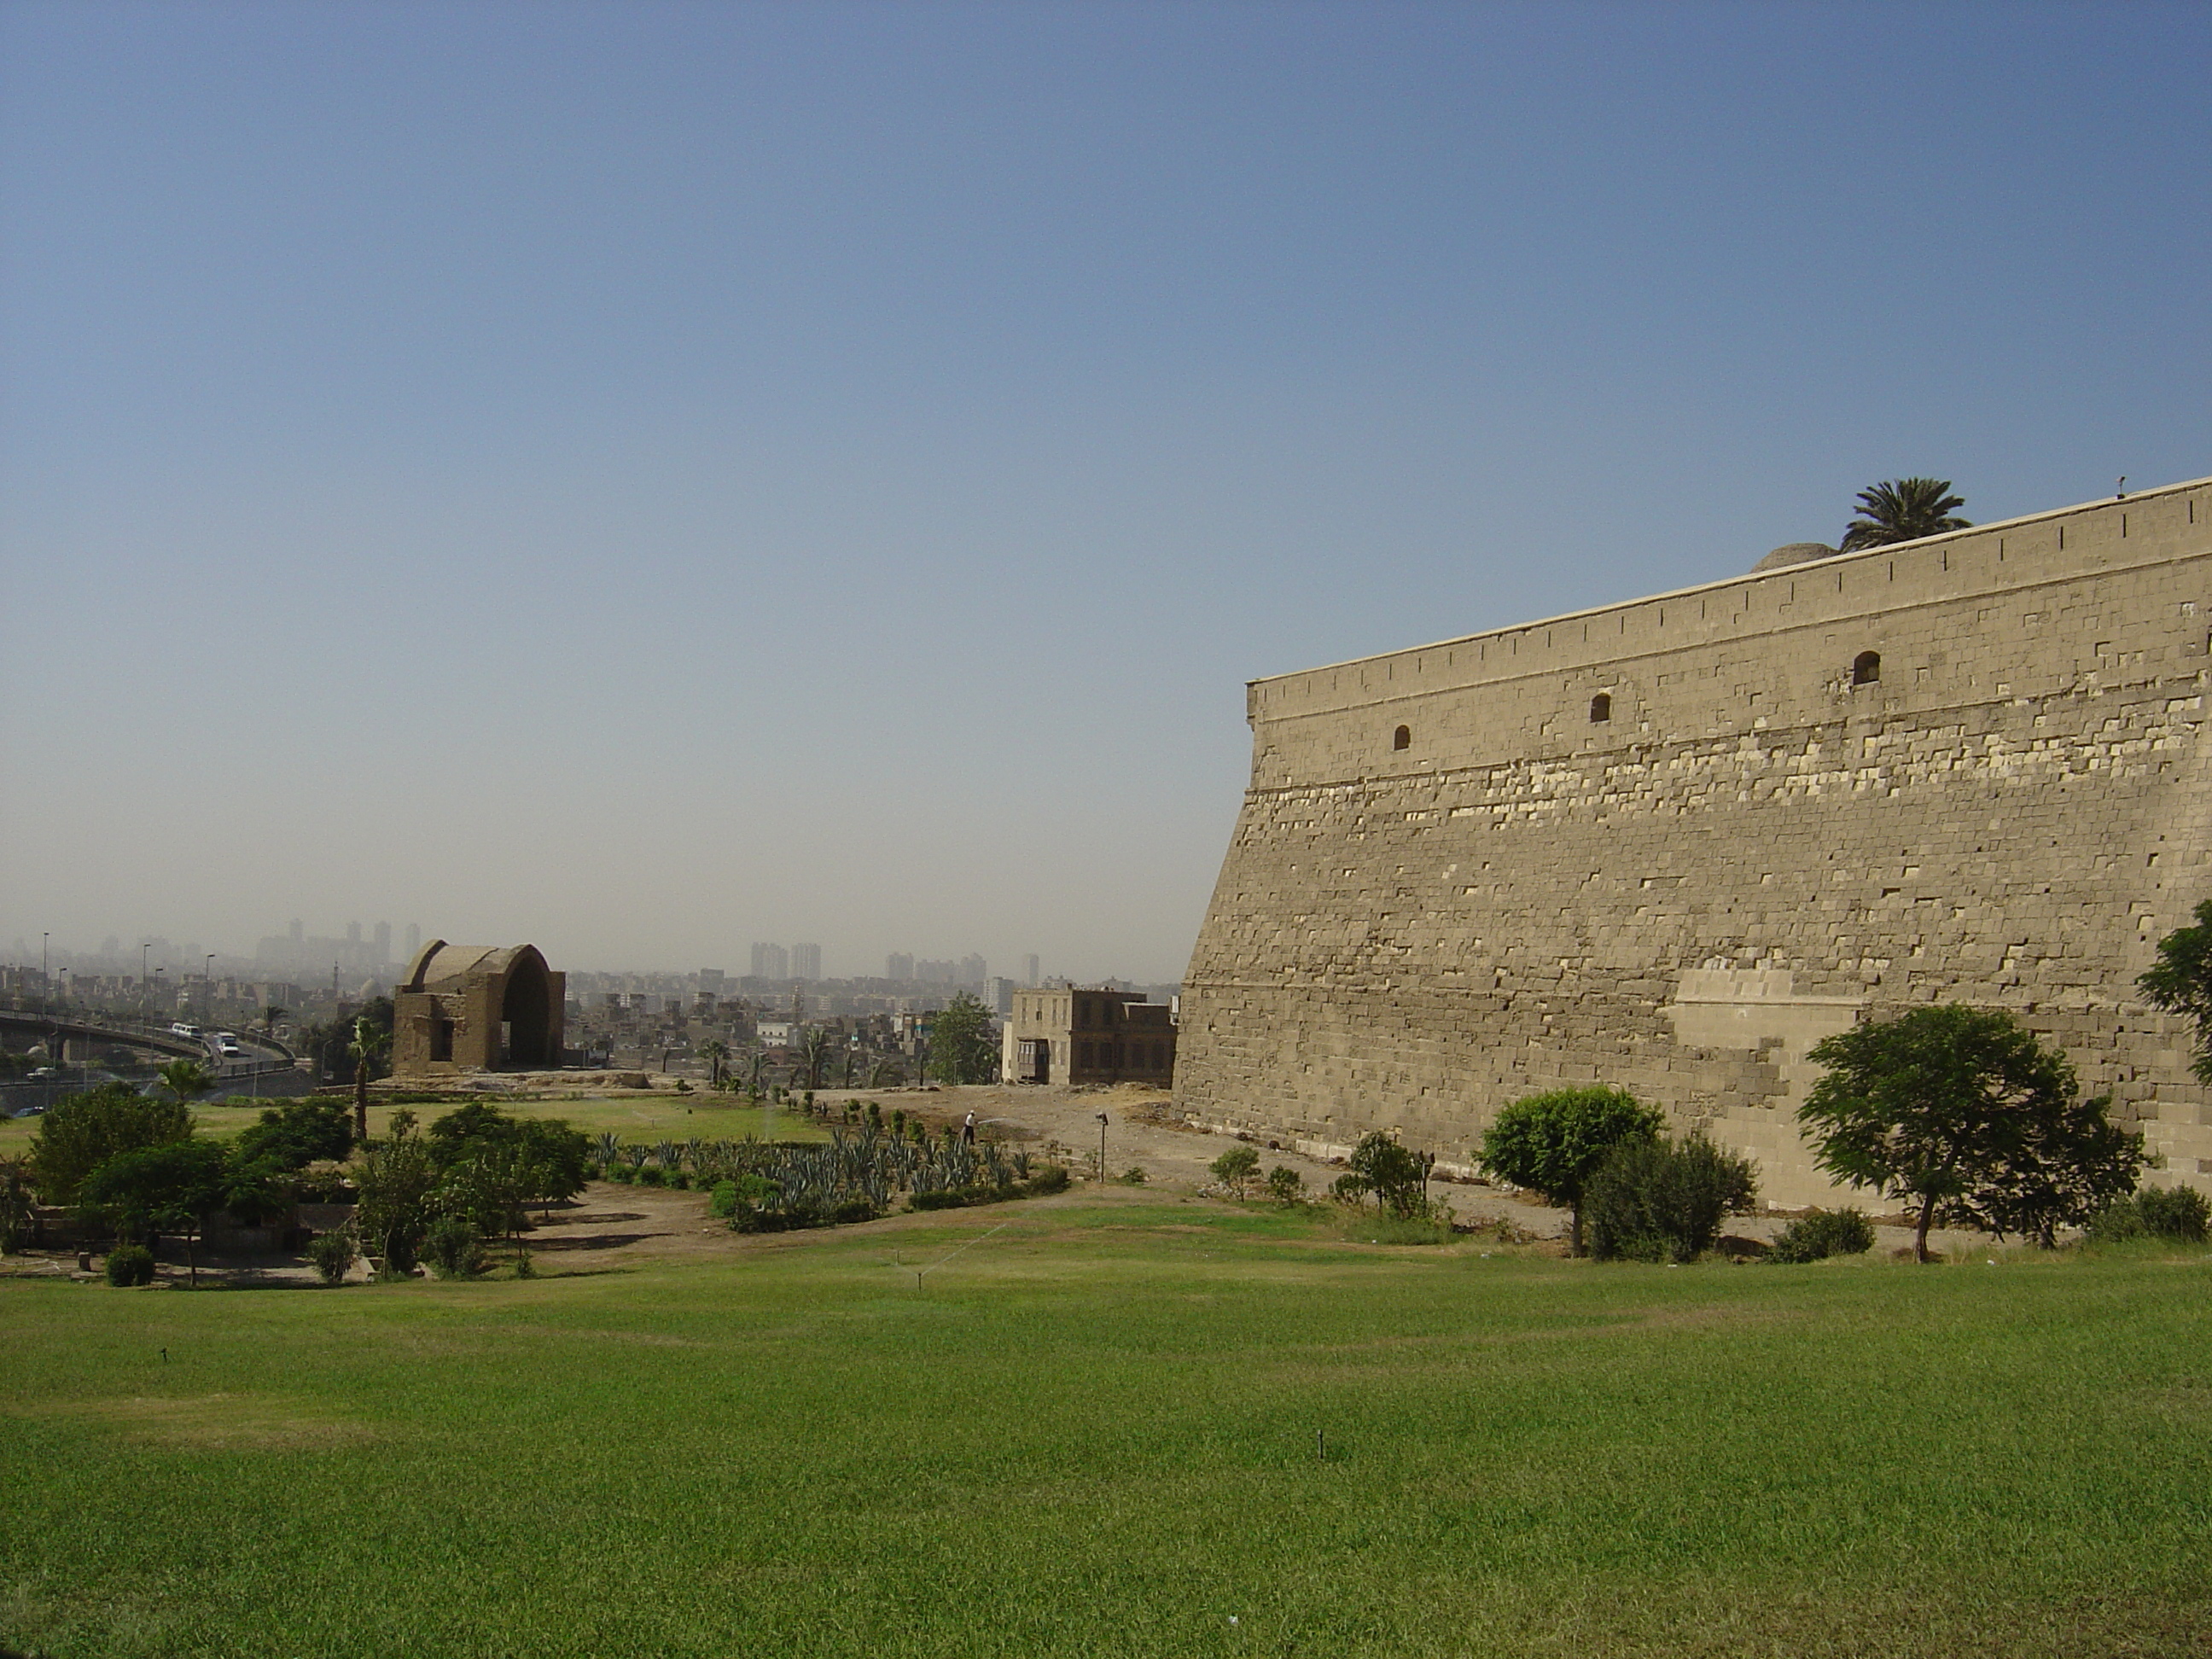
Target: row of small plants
point(855, 1176)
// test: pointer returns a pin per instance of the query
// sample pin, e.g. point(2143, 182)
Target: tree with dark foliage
point(1961, 1111)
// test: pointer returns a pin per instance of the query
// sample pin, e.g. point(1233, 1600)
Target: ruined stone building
point(476, 1008)
point(1074, 1034)
point(1670, 844)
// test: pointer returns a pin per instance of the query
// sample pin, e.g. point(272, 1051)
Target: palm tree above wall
point(1903, 510)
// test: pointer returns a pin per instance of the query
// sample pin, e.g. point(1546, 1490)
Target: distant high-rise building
point(999, 996)
point(383, 941)
point(973, 970)
point(1029, 970)
point(352, 933)
point(299, 935)
point(414, 940)
point(899, 965)
point(806, 961)
point(712, 980)
point(771, 961)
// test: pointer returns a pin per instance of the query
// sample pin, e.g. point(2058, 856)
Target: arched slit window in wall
point(1600, 707)
point(1402, 737)
point(1865, 668)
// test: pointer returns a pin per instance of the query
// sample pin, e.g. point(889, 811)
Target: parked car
point(29, 1111)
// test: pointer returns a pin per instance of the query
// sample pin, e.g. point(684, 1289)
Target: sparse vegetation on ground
point(1095, 1433)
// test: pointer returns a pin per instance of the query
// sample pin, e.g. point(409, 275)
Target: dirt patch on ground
point(219, 1422)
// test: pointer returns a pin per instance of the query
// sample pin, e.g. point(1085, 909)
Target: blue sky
point(647, 479)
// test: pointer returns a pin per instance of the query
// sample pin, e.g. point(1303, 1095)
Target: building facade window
point(1865, 668)
point(1600, 707)
point(1402, 737)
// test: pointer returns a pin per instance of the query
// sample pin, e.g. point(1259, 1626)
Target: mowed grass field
point(1095, 1432)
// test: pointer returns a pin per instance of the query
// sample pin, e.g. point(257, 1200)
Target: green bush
point(1286, 1185)
point(333, 1254)
point(131, 1264)
point(1662, 1201)
point(1133, 1176)
point(724, 1199)
point(454, 1247)
point(1819, 1234)
point(1053, 1178)
point(2175, 1212)
point(1236, 1167)
point(950, 1198)
point(622, 1173)
point(652, 1176)
point(2178, 1212)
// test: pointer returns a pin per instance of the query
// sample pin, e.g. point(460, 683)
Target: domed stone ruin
point(476, 1008)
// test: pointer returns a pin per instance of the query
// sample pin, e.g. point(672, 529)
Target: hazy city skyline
point(645, 478)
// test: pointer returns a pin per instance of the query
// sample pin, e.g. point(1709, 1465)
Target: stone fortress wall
point(1752, 851)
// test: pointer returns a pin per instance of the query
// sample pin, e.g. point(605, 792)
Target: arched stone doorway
point(525, 1012)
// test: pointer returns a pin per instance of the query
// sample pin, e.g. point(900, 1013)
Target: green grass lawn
point(1095, 1432)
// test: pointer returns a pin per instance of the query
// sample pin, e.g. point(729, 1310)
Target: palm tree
point(368, 1043)
point(716, 1053)
point(1903, 510)
point(814, 1050)
point(270, 1015)
point(188, 1080)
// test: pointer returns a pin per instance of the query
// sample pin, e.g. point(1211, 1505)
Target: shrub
point(131, 1264)
point(1235, 1167)
point(1133, 1176)
point(1822, 1233)
point(724, 1199)
point(333, 1254)
point(1660, 1200)
point(652, 1176)
point(1393, 1174)
point(1286, 1185)
point(2154, 1213)
point(1053, 1178)
point(947, 1198)
point(622, 1173)
point(2175, 1212)
point(455, 1249)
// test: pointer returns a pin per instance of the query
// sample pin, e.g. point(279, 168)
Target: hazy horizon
point(645, 479)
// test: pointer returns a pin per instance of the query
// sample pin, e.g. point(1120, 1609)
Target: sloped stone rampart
point(1758, 845)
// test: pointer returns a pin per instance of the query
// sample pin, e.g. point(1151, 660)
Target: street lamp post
point(1101, 1149)
point(145, 991)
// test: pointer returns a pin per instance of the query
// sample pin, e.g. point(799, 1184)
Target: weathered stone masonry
point(1750, 850)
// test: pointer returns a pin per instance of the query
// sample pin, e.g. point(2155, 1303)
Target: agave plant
point(609, 1148)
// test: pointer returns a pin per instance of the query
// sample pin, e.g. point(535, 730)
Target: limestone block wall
point(1760, 843)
